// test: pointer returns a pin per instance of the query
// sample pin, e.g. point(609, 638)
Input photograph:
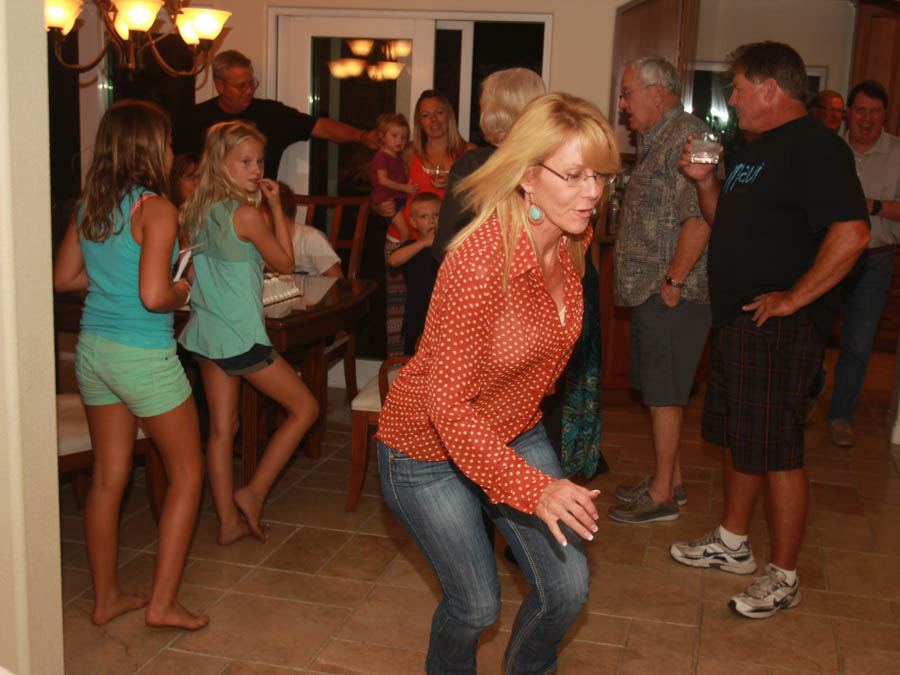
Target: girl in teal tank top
point(226, 331)
point(120, 247)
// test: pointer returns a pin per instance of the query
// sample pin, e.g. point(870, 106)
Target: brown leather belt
point(880, 249)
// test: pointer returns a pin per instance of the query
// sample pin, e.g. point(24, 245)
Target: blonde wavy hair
point(216, 184)
point(456, 144)
point(130, 150)
point(543, 127)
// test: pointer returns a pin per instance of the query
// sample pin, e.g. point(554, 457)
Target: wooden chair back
point(342, 239)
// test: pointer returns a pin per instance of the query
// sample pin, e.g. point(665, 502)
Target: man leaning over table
point(282, 125)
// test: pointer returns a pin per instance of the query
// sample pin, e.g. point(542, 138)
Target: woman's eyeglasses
point(579, 178)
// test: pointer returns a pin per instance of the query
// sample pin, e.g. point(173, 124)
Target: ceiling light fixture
point(128, 24)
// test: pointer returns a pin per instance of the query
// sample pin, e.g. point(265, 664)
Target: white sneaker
point(766, 595)
point(710, 551)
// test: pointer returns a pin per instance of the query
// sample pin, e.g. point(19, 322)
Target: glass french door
point(304, 81)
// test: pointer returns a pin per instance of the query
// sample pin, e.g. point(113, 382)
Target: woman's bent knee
point(476, 616)
point(571, 593)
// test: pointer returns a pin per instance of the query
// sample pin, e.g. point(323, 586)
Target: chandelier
point(386, 68)
point(128, 24)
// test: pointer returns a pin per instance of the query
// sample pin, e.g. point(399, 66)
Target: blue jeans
point(868, 294)
point(441, 510)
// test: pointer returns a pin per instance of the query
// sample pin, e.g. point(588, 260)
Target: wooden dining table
point(299, 329)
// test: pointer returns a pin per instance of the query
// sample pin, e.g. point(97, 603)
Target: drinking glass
point(705, 148)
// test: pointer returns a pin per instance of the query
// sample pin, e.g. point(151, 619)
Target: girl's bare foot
point(121, 603)
point(251, 506)
point(230, 533)
point(175, 616)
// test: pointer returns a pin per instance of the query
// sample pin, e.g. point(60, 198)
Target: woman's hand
point(570, 503)
point(439, 179)
point(413, 188)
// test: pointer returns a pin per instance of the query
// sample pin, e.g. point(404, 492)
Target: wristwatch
point(876, 207)
point(676, 284)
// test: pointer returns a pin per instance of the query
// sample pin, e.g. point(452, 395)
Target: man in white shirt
point(877, 156)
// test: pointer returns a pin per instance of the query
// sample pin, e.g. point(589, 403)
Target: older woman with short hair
point(503, 95)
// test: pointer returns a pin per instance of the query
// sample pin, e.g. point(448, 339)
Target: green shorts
point(149, 381)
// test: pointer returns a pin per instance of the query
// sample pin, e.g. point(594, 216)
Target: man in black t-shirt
point(282, 125)
point(788, 224)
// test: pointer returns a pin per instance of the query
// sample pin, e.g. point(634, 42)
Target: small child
point(120, 246)
point(419, 267)
point(227, 329)
point(313, 254)
point(387, 171)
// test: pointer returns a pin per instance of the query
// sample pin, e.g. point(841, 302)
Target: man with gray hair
point(660, 272)
point(282, 125)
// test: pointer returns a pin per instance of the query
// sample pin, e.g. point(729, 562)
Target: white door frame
point(285, 81)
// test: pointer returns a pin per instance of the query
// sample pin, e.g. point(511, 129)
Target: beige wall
point(581, 57)
point(581, 41)
point(820, 30)
point(30, 590)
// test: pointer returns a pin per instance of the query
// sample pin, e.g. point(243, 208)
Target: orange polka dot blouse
point(486, 359)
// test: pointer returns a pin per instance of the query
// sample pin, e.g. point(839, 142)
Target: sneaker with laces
point(644, 510)
point(710, 551)
point(628, 493)
point(766, 595)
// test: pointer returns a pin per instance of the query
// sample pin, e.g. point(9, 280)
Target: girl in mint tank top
point(120, 247)
point(226, 331)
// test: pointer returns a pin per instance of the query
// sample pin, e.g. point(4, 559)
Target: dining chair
point(76, 455)
point(351, 245)
point(366, 407)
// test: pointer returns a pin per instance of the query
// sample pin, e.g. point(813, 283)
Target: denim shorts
point(148, 381)
point(251, 361)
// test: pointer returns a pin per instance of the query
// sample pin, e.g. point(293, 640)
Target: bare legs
point(786, 506)
point(280, 383)
point(177, 437)
point(666, 421)
point(112, 429)
point(222, 398)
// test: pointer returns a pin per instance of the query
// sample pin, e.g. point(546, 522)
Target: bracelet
point(187, 287)
point(876, 207)
point(675, 284)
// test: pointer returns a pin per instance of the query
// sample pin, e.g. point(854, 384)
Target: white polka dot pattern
point(486, 359)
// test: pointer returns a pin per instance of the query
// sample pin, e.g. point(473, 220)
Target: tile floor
point(337, 592)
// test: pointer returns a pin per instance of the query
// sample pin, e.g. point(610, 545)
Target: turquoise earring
point(535, 215)
point(594, 211)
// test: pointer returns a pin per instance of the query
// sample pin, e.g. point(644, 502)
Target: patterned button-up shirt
point(658, 199)
point(487, 357)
